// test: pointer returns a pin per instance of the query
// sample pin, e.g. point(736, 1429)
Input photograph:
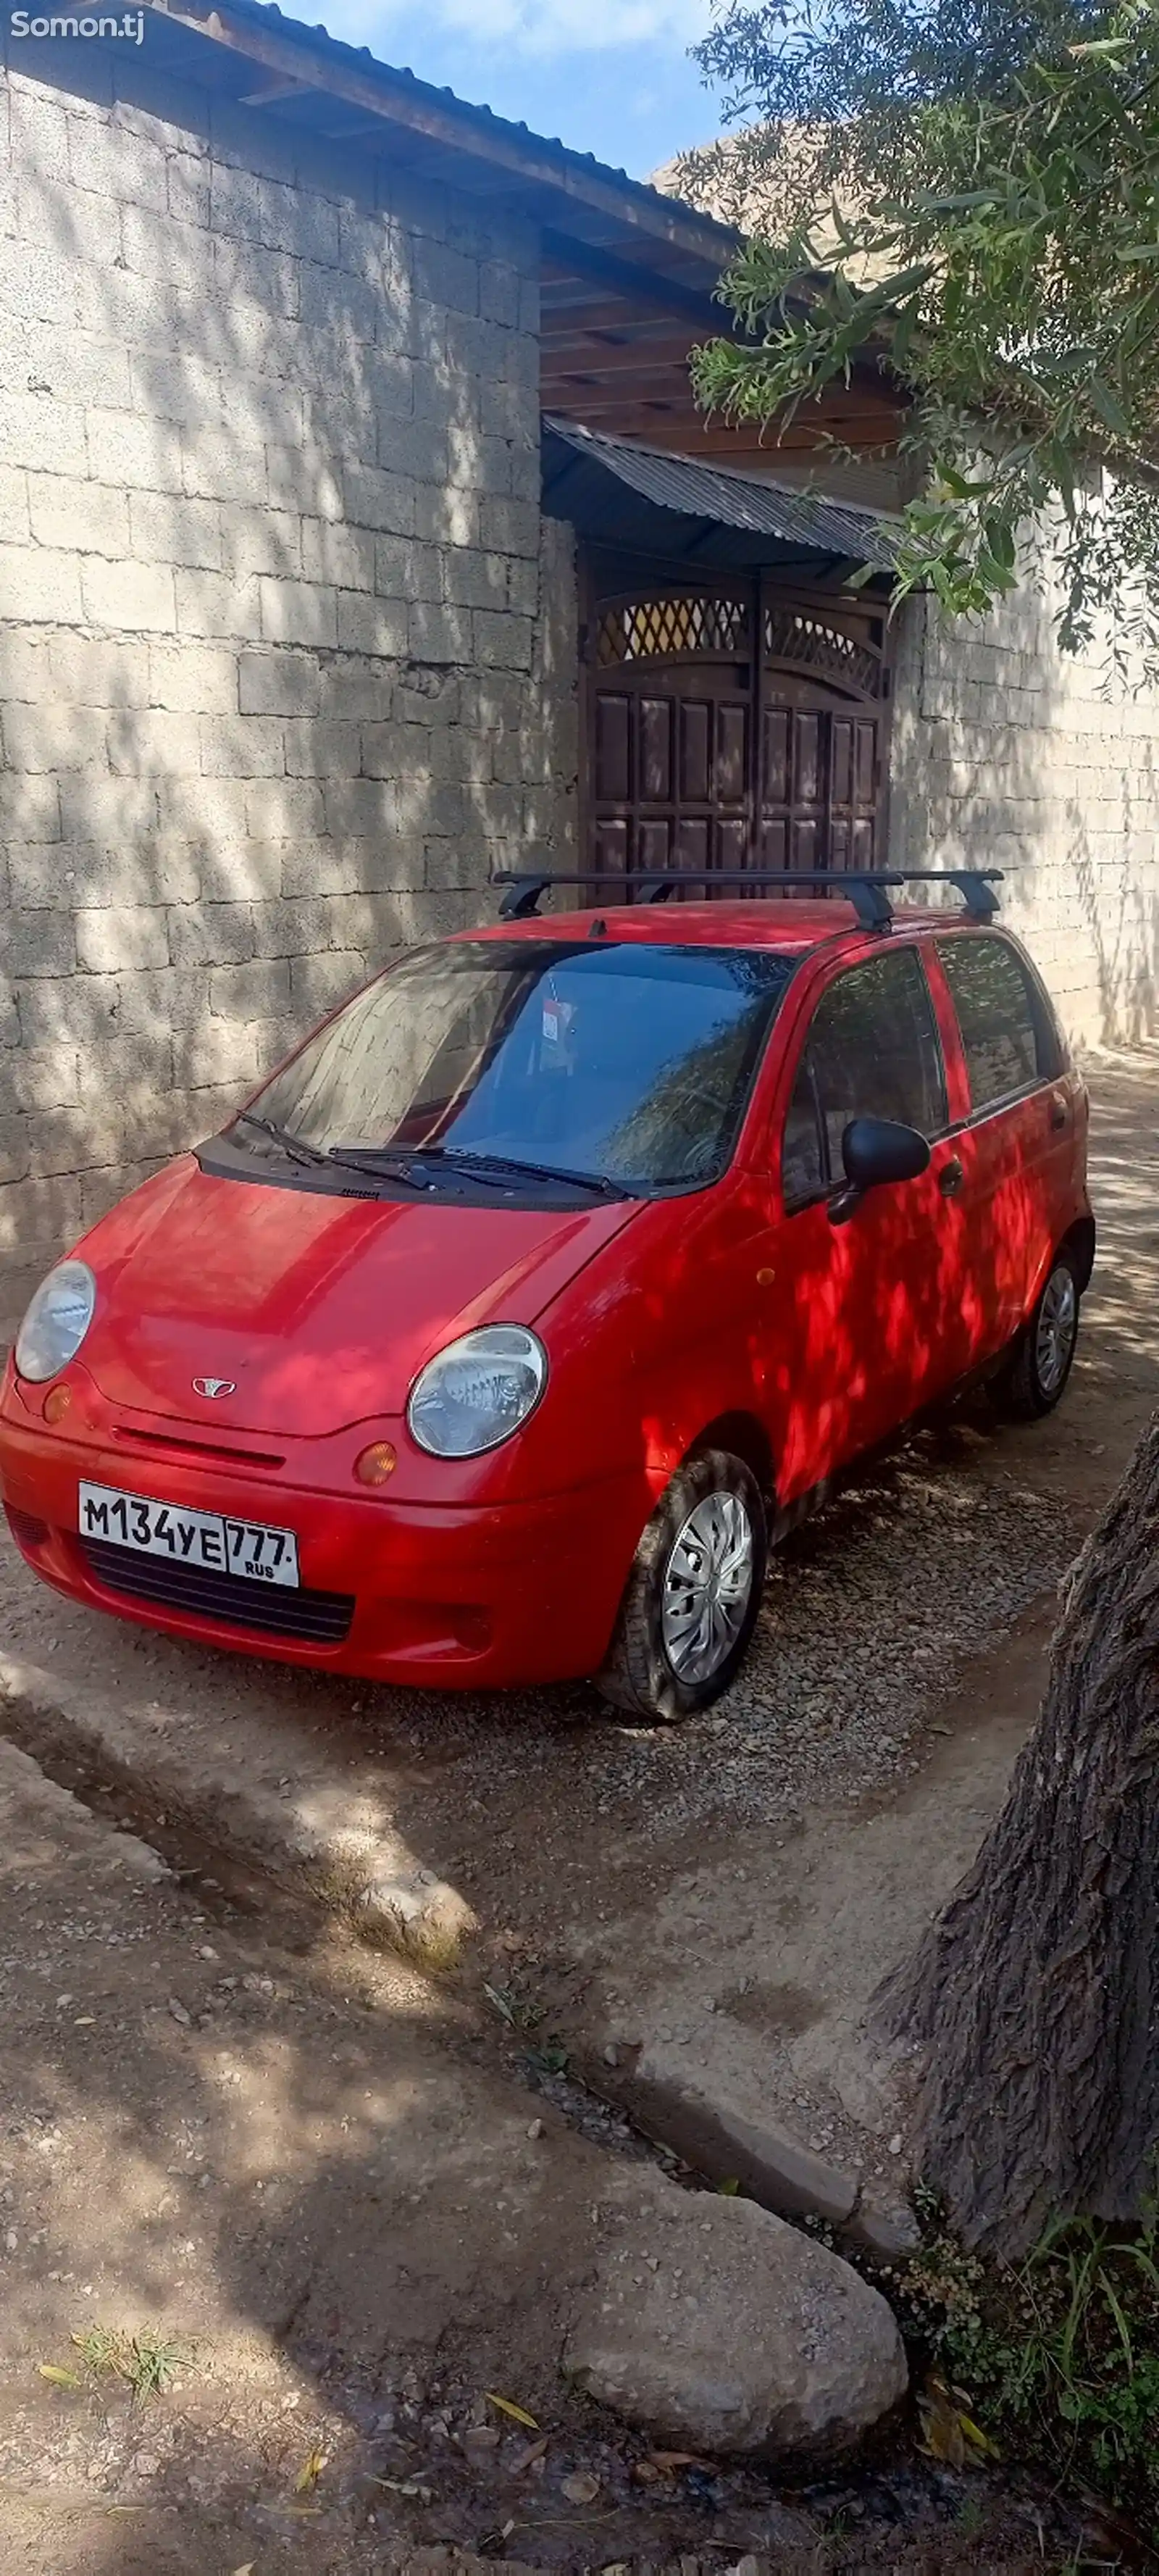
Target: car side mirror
point(876, 1150)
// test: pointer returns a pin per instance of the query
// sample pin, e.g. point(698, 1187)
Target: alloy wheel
point(1054, 1335)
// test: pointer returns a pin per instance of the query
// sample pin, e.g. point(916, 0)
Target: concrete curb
point(367, 1879)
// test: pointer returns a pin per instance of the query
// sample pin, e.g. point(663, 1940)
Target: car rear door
point(866, 1324)
point(1021, 1142)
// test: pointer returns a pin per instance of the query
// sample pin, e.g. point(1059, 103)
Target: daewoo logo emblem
point(214, 1386)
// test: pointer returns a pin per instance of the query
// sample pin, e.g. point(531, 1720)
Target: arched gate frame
point(730, 724)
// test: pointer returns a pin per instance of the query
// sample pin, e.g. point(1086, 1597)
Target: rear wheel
point(1035, 1375)
point(692, 1597)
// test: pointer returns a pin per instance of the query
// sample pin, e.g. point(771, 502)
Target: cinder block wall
point(1010, 754)
point(287, 656)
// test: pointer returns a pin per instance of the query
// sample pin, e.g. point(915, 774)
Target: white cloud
point(533, 27)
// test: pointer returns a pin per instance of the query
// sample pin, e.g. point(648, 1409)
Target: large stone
point(716, 2327)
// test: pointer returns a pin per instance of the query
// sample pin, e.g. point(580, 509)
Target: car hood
point(316, 1311)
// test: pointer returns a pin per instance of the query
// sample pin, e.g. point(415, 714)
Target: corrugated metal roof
point(319, 40)
point(762, 514)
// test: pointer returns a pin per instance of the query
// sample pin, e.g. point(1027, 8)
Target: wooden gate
point(733, 725)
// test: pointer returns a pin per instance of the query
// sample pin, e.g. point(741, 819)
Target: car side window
point(872, 1051)
point(1008, 1033)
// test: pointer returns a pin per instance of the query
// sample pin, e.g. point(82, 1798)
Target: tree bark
point(1035, 1996)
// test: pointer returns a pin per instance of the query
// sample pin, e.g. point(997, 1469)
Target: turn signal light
point(374, 1465)
point(57, 1402)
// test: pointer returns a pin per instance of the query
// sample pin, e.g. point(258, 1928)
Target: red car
point(554, 1275)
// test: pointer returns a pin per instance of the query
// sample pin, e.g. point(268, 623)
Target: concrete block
point(29, 804)
point(39, 1078)
point(123, 936)
point(241, 747)
point(334, 300)
point(187, 181)
point(351, 687)
point(53, 737)
point(156, 246)
point(166, 529)
point(41, 586)
point(450, 517)
point(360, 808)
point(40, 942)
point(217, 465)
point(279, 683)
point(140, 453)
point(147, 742)
point(474, 580)
point(256, 992)
point(55, 1009)
point(211, 934)
point(298, 612)
point(65, 511)
point(375, 499)
point(15, 526)
point(153, 1000)
point(372, 626)
point(439, 634)
point(303, 928)
point(33, 426)
point(25, 668)
point(139, 597)
point(406, 569)
point(317, 983)
point(209, 810)
point(38, 132)
point(260, 540)
point(118, 165)
point(502, 643)
point(420, 449)
point(244, 273)
point(279, 809)
point(341, 555)
point(223, 1051)
point(323, 748)
point(509, 527)
point(45, 1214)
point(307, 480)
point(194, 679)
point(213, 604)
point(98, 671)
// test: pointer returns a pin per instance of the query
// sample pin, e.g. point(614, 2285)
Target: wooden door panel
point(695, 721)
point(613, 760)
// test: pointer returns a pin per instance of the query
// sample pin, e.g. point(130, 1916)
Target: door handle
point(950, 1178)
point(1057, 1116)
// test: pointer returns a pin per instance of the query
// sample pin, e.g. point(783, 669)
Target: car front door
point(865, 1325)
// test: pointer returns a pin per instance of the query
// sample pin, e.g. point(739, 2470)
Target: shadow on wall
point(276, 691)
point(1007, 753)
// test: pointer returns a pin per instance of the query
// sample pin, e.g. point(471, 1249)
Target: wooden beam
point(470, 133)
point(641, 286)
point(594, 364)
point(273, 90)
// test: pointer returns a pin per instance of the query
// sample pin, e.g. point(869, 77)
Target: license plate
point(210, 1541)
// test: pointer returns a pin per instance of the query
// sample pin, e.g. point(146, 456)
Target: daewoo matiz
point(550, 1279)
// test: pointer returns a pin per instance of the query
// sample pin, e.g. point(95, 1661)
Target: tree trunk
point(1035, 1995)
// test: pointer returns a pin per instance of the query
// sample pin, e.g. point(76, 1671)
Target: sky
point(608, 76)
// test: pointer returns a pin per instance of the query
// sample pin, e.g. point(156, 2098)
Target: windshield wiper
point(482, 1163)
point(313, 1156)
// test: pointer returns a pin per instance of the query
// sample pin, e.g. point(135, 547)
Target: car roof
point(776, 921)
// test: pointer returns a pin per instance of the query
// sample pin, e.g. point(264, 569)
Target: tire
point(654, 1668)
point(1033, 1379)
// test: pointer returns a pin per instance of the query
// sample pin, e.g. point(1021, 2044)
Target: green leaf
point(1109, 408)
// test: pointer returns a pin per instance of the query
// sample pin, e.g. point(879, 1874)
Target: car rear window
point(1008, 1030)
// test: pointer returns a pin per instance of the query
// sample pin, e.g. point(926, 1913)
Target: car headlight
point(56, 1321)
point(478, 1391)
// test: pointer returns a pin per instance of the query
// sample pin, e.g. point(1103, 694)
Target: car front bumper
point(467, 1597)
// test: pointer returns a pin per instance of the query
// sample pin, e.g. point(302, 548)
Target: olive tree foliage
point(966, 193)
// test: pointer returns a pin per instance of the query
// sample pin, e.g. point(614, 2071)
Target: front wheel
point(692, 1597)
point(1039, 1365)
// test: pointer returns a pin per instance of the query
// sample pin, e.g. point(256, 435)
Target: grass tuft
point(147, 2362)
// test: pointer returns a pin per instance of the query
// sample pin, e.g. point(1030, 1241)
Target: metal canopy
point(700, 516)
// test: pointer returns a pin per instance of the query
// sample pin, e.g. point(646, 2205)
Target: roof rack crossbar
point(867, 888)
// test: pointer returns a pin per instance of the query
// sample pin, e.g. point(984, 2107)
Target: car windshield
point(626, 1064)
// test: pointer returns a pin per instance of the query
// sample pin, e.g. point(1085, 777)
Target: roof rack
point(867, 888)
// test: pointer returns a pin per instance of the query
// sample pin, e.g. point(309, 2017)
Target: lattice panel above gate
point(647, 629)
point(795, 635)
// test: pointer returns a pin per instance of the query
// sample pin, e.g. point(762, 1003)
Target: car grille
point(275, 1609)
point(25, 1528)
